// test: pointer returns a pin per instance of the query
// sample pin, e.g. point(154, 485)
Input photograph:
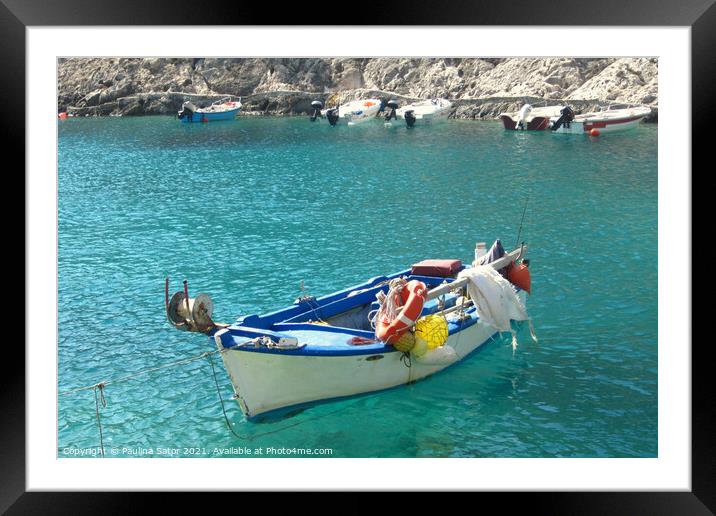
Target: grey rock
point(479, 87)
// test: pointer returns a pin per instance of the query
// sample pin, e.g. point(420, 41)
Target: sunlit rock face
point(478, 87)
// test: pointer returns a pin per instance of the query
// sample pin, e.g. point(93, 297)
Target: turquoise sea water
point(247, 209)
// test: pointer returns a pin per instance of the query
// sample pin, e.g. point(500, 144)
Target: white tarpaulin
point(496, 299)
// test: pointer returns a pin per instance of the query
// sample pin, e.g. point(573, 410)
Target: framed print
point(439, 253)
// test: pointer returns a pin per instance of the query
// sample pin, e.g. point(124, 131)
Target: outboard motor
point(521, 123)
point(332, 116)
point(187, 111)
point(392, 105)
point(567, 115)
point(409, 118)
point(317, 105)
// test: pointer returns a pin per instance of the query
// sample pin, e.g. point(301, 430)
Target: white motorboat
point(421, 113)
point(613, 118)
point(350, 113)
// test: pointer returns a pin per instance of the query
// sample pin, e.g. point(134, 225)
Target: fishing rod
point(519, 232)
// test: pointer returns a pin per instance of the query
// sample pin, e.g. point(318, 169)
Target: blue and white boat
point(326, 348)
point(223, 109)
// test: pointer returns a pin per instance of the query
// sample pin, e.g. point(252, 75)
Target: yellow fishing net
point(405, 342)
point(433, 330)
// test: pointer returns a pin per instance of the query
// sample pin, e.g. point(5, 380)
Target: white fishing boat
point(619, 117)
point(350, 113)
point(421, 113)
point(388, 331)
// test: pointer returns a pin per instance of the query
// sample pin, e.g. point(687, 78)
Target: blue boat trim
point(311, 305)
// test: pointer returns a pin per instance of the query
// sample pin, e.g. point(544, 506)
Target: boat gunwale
point(274, 323)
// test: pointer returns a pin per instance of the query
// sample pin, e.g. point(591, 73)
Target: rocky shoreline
point(478, 88)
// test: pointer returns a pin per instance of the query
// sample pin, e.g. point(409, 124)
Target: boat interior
point(338, 323)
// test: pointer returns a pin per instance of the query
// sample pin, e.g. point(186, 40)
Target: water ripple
point(248, 210)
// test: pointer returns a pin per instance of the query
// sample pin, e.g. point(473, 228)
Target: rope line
point(145, 371)
point(100, 399)
point(99, 387)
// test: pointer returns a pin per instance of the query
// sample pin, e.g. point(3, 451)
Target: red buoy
point(62, 116)
point(519, 276)
point(594, 132)
point(204, 119)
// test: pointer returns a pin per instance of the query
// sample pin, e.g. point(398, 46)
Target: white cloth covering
point(496, 299)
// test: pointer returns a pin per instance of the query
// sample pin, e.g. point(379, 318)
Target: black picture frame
point(700, 15)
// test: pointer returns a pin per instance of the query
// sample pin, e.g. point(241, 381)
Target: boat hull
point(356, 112)
point(358, 118)
point(603, 126)
point(355, 119)
point(425, 113)
point(538, 123)
point(200, 117)
point(426, 119)
point(270, 382)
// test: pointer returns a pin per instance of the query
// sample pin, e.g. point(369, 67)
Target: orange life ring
point(413, 298)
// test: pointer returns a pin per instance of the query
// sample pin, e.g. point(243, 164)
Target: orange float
point(519, 276)
point(412, 297)
point(594, 132)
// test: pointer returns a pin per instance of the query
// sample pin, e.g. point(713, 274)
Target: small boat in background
point(530, 118)
point(223, 109)
point(425, 112)
point(350, 113)
point(617, 117)
point(388, 331)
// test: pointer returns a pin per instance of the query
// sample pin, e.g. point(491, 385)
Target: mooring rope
point(99, 396)
point(389, 304)
point(100, 387)
point(140, 373)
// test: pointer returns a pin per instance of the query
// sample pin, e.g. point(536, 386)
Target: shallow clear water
point(247, 209)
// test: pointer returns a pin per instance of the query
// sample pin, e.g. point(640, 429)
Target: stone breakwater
point(480, 88)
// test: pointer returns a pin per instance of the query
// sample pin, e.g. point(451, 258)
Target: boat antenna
point(519, 232)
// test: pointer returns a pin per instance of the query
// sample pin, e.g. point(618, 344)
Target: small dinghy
point(223, 109)
point(425, 112)
point(388, 331)
point(350, 113)
point(613, 118)
point(530, 118)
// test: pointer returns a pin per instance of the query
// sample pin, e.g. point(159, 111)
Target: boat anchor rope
point(97, 400)
point(101, 401)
